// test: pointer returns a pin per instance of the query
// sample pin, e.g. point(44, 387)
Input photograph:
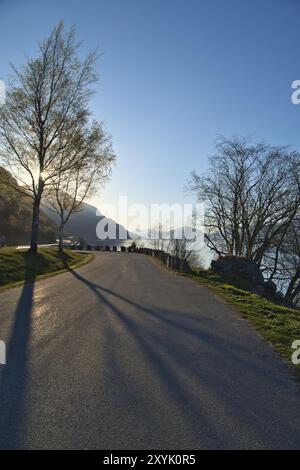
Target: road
point(122, 354)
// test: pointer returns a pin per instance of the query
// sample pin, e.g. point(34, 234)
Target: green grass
point(277, 324)
point(19, 266)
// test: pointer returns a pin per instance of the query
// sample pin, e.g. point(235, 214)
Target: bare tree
point(46, 107)
point(252, 195)
point(157, 237)
point(287, 261)
point(181, 248)
point(69, 189)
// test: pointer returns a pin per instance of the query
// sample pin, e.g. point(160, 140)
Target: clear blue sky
point(174, 75)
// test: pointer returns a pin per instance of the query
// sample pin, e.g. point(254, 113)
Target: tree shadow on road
point(227, 347)
point(175, 368)
point(14, 377)
point(166, 376)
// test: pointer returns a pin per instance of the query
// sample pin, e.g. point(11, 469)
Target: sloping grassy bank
point(279, 325)
point(19, 266)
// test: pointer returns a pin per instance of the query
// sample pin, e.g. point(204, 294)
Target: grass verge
point(19, 266)
point(277, 324)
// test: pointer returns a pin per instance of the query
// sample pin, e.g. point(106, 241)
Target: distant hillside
point(15, 220)
point(83, 225)
point(15, 216)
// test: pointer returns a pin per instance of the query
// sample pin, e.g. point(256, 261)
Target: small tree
point(70, 189)
point(157, 238)
point(46, 107)
point(181, 248)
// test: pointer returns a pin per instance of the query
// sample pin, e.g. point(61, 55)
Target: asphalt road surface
point(122, 354)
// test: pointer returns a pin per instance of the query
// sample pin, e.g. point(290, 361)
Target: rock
point(240, 267)
point(248, 271)
point(271, 287)
point(259, 290)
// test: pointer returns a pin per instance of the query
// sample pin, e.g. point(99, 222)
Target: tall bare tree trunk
point(36, 218)
point(35, 226)
point(60, 239)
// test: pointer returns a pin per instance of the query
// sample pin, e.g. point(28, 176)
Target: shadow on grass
point(14, 376)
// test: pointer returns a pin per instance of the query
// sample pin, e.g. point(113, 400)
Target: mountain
point(83, 225)
point(15, 216)
point(16, 213)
